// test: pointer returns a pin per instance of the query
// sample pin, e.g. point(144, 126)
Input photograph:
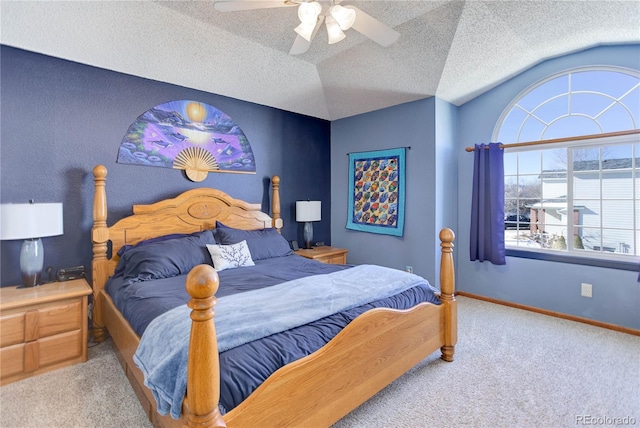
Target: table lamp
point(30, 222)
point(307, 212)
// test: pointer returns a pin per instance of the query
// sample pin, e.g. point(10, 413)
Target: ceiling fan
point(313, 13)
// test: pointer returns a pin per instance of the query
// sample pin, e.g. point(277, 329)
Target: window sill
point(573, 259)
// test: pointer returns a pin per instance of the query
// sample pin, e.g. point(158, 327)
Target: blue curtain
point(487, 205)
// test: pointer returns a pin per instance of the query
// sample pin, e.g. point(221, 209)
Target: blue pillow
point(263, 243)
point(166, 258)
point(127, 247)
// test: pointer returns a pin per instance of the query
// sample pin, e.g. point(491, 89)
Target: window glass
point(553, 160)
point(617, 214)
point(567, 126)
point(531, 130)
point(617, 157)
point(590, 104)
point(511, 125)
point(617, 118)
point(529, 162)
point(552, 109)
point(601, 81)
point(510, 164)
point(539, 94)
point(587, 159)
point(632, 101)
point(617, 185)
point(575, 196)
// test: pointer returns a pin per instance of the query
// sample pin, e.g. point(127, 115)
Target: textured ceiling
point(451, 49)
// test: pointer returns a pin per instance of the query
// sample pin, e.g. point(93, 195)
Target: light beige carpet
point(513, 368)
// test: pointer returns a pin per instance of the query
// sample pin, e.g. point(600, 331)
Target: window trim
point(552, 256)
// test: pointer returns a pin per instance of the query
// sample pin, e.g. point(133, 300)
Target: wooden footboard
point(372, 351)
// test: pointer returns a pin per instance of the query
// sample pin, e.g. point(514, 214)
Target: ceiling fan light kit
point(334, 32)
point(312, 13)
point(343, 16)
point(308, 12)
point(305, 29)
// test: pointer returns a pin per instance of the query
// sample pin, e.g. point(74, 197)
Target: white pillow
point(230, 256)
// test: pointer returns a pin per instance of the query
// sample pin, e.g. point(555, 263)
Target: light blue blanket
point(248, 316)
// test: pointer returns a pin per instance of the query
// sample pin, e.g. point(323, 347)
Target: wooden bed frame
point(372, 351)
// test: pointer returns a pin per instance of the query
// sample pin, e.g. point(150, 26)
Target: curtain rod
point(367, 151)
point(562, 140)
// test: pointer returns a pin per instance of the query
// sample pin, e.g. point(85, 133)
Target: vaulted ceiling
point(454, 50)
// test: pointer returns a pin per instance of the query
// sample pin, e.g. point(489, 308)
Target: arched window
point(578, 102)
point(581, 195)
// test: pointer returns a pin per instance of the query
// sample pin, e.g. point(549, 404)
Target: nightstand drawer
point(60, 319)
point(338, 259)
point(34, 324)
point(12, 328)
point(62, 347)
point(11, 360)
point(42, 328)
point(32, 356)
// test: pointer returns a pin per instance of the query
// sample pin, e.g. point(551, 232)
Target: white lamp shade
point(308, 211)
point(26, 221)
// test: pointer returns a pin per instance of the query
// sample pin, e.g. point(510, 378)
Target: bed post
point(203, 366)
point(275, 203)
point(447, 296)
point(99, 236)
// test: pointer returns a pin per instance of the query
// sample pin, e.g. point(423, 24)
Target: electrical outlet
point(586, 290)
point(409, 269)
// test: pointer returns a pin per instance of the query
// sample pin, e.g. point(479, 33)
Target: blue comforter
point(239, 377)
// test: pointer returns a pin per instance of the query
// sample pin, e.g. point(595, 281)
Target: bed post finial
point(447, 295)
point(203, 367)
point(275, 203)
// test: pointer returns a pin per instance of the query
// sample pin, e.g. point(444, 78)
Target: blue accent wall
point(543, 284)
point(59, 119)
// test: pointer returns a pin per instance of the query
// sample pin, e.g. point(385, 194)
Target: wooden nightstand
point(42, 328)
point(325, 254)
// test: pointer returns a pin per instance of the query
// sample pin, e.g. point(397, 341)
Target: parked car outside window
point(515, 221)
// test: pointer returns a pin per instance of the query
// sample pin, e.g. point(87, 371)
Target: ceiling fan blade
point(300, 44)
point(235, 5)
point(369, 26)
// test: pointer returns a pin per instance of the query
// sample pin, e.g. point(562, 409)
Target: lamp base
point(31, 262)
point(308, 234)
point(31, 281)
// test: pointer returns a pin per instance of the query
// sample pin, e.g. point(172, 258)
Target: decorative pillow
point(263, 243)
point(164, 259)
point(230, 256)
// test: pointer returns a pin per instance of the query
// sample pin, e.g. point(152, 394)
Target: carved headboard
point(191, 211)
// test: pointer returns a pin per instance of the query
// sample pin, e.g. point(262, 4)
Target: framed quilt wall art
point(376, 191)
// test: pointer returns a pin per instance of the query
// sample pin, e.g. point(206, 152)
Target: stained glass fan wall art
point(376, 191)
point(187, 135)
